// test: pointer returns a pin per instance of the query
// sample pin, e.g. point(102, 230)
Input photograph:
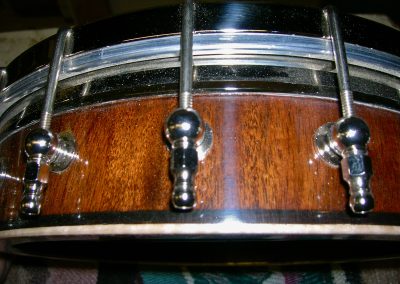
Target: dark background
point(38, 14)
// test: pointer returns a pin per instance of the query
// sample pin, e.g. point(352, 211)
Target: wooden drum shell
point(262, 160)
point(264, 81)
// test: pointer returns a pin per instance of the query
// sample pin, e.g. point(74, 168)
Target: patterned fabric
point(39, 271)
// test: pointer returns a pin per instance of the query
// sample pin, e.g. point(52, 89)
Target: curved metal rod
point(54, 72)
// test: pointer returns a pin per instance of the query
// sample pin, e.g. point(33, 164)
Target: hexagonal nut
point(36, 171)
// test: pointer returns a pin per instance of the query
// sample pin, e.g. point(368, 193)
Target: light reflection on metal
point(6, 176)
point(184, 128)
point(345, 142)
point(245, 44)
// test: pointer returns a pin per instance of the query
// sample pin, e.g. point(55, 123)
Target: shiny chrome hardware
point(45, 151)
point(345, 142)
point(186, 71)
point(63, 46)
point(205, 143)
point(184, 127)
point(326, 147)
point(64, 152)
point(38, 147)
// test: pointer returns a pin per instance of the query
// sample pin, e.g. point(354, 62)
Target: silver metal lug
point(45, 153)
point(325, 146)
point(345, 142)
point(44, 150)
point(64, 153)
point(184, 129)
point(353, 134)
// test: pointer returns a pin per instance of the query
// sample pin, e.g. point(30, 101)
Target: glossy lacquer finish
point(262, 165)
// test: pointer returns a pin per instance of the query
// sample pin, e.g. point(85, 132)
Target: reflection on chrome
point(231, 88)
point(73, 156)
point(6, 176)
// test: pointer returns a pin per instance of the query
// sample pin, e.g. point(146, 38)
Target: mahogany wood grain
point(262, 157)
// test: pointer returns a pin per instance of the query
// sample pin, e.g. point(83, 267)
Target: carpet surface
point(30, 270)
